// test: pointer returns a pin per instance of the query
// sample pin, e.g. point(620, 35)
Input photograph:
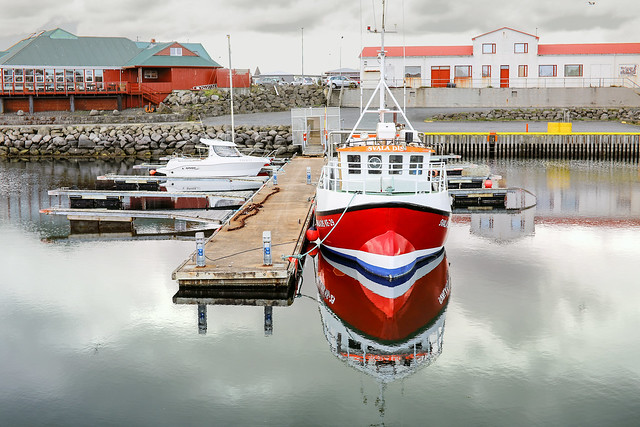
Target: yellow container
point(558, 127)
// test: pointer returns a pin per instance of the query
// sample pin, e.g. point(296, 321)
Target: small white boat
point(223, 160)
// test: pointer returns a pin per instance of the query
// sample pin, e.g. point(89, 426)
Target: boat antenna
point(233, 128)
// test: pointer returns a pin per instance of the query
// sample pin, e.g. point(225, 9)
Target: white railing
point(513, 82)
point(387, 180)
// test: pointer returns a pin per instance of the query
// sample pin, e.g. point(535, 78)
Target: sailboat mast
point(382, 68)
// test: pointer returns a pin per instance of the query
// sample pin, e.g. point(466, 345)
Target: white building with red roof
point(506, 58)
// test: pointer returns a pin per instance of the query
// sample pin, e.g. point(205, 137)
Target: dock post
point(200, 262)
point(266, 246)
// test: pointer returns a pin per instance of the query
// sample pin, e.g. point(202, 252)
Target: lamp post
point(302, 52)
point(340, 60)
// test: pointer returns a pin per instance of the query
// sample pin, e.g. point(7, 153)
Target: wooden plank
point(234, 255)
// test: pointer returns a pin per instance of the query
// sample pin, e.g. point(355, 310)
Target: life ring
point(434, 173)
point(149, 108)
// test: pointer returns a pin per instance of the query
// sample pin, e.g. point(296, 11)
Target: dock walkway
point(234, 254)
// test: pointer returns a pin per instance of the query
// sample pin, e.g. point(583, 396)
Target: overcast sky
point(267, 33)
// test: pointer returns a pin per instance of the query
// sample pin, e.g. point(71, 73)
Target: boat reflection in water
point(388, 337)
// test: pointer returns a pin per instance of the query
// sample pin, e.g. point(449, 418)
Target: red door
point(440, 76)
point(504, 76)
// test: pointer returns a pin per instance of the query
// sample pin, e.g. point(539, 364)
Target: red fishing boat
point(382, 200)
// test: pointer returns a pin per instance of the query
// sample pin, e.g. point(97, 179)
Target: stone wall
point(630, 115)
point(137, 140)
point(216, 102)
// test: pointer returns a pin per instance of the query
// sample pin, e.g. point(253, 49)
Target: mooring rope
point(318, 243)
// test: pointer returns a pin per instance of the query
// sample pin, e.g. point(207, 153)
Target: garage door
point(440, 76)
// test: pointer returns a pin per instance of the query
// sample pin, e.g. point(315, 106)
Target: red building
point(56, 70)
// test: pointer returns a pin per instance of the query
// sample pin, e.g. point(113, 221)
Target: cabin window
point(395, 165)
point(375, 165)
point(224, 151)
point(415, 165)
point(353, 163)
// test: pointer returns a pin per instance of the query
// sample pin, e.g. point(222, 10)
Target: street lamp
point(302, 52)
point(340, 60)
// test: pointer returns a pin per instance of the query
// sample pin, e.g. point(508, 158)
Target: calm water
point(542, 326)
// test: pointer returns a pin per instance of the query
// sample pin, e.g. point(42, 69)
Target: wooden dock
point(234, 254)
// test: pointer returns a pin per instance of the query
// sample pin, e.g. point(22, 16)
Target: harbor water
point(541, 327)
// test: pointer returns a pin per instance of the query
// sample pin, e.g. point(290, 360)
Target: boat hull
point(386, 236)
point(204, 168)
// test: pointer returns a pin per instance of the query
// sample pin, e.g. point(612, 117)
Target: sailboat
point(382, 199)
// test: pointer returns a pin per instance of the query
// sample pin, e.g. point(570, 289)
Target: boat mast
point(383, 104)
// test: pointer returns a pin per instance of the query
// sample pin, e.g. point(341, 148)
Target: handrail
point(405, 180)
point(511, 82)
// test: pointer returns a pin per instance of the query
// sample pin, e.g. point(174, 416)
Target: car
point(270, 81)
point(303, 81)
point(341, 81)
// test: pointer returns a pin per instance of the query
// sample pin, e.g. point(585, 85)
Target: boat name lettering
point(444, 223)
point(326, 222)
point(444, 292)
point(386, 148)
point(326, 294)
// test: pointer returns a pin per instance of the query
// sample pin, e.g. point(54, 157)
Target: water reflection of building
point(388, 339)
point(503, 226)
point(267, 298)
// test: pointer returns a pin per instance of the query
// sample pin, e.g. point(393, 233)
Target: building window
point(486, 71)
point(463, 71)
point(412, 71)
point(548, 70)
point(150, 74)
point(521, 48)
point(523, 71)
point(175, 51)
point(488, 48)
point(395, 164)
point(573, 70)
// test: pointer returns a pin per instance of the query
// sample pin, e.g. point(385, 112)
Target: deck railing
point(389, 179)
point(64, 88)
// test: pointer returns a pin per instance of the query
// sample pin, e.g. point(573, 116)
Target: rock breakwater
point(138, 140)
point(631, 115)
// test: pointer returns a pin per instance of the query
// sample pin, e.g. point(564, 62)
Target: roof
point(419, 51)
point(60, 48)
point(589, 49)
point(506, 28)
point(150, 57)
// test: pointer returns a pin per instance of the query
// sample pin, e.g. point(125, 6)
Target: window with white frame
point(412, 71)
point(548, 70)
point(463, 71)
point(175, 51)
point(488, 48)
point(573, 70)
point(523, 70)
point(521, 48)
